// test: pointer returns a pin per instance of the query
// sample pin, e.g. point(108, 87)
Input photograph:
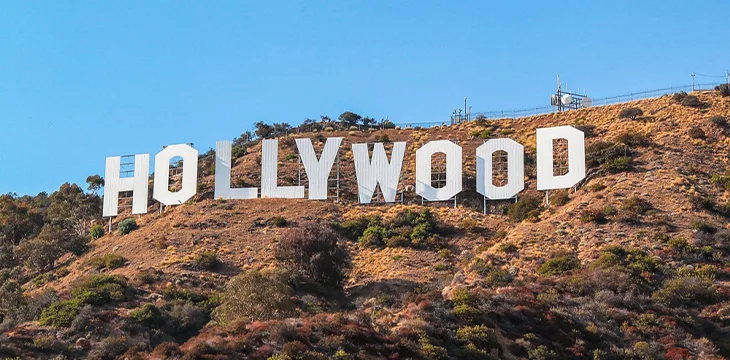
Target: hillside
point(634, 263)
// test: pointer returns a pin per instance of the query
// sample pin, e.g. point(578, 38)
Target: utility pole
point(465, 115)
point(693, 81)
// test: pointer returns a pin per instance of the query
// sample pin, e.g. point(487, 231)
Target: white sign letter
point(114, 183)
point(546, 180)
point(189, 174)
point(515, 169)
point(223, 164)
point(378, 171)
point(453, 170)
point(318, 171)
point(269, 163)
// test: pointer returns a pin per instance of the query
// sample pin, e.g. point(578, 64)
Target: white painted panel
point(189, 186)
point(269, 170)
point(378, 170)
point(318, 170)
point(453, 170)
point(576, 157)
point(114, 184)
point(515, 169)
point(223, 164)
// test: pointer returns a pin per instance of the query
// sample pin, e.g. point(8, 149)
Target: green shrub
point(148, 315)
point(279, 221)
point(722, 180)
point(108, 261)
point(466, 312)
point(618, 165)
point(101, 289)
point(686, 291)
point(526, 208)
point(207, 260)
point(462, 296)
point(60, 313)
point(481, 336)
point(373, 236)
point(630, 113)
point(126, 226)
point(541, 353)
point(96, 231)
point(353, 228)
point(559, 265)
point(605, 152)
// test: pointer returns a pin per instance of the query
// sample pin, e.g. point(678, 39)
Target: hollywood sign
point(371, 170)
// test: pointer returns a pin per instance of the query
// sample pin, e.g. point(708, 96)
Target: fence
point(513, 114)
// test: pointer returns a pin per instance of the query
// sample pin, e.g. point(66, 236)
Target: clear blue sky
point(76, 77)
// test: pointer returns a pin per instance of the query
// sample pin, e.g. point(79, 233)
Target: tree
point(95, 182)
point(349, 118)
point(313, 252)
point(73, 209)
point(41, 252)
point(244, 139)
point(18, 220)
point(368, 121)
point(263, 130)
point(256, 295)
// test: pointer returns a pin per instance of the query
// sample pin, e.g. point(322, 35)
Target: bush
point(720, 121)
point(630, 113)
point(148, 315)
point(597, 215)
point(126, 226)
point(686, 291)
point(635, 205)
point(678, 97)
point(61, 313)
point(723, 89)
point(695, 132)
point(313, 252)
point(633, 139)
point(279, 221)
point(722, 180)
point(207, 260)
point(526, 208)
point(559, 265)
point(507, 247)
point(96, 231)
point(256, 295)
point(691, 101)
point(108, 261)
point(604, 152)
point(373, 236)
point(559, 198)
point(101, 289)
point(618, 165)
point(481, 336)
